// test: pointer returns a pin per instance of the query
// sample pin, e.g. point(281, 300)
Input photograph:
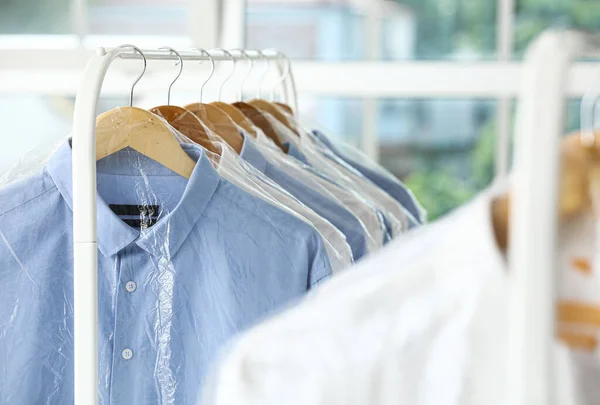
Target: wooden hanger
point(181, 119)
point(285, 107)
point(270, 108)
point(237, 116)
point(260, 121)
point(187, 123)
point(218, 122)
point(144, 132)
point(580, 174)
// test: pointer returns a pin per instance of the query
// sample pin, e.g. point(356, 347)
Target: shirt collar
point(170, 231)
point(295, 152)
point(252, 155)
point(318, 135)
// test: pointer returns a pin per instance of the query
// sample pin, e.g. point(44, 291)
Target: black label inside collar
point(135, 210)
point(137, 216)
point(140, 223)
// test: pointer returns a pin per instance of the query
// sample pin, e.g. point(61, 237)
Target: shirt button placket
point(130, 286)
point(126, 350)
point(127, 354)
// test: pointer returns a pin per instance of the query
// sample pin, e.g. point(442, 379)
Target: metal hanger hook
point(251, 64)
point(286, 71)
point(180, 62)
point(230, 73)
point(212, 69)
point(264, 74)
point(138, 50)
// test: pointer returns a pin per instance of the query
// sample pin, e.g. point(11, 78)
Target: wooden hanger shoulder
point(187, 123)
point(579, 184)
point(144, 132)
point(259, 119)
point(274, 111)
point(285, 108)
point(218, 122)
point(237, 116)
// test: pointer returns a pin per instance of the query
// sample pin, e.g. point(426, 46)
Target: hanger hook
point(286, 71)
point(180, 63)
point(212, 69)
point(138, 50)
point(265, 72)
point(251, 62)
point(230, 75)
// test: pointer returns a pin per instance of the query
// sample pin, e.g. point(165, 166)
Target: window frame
point(26, 67)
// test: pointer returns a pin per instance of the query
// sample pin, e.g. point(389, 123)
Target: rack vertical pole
point(534, 222)
point(85, 241)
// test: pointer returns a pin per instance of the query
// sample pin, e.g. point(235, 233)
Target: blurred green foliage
point(440, 191)
point(451, 28)
point(446, 28)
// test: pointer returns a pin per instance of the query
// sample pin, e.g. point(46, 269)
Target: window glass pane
point(53, 116)
point(442, 149)
point(434, 29)
point(52, 123)
point(535, 16)
point(408, 29)
point(35, 17)
point(309, 29)
point(138, 17)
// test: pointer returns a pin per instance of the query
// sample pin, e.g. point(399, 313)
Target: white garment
point(422, 323)
point(235, 170)
point(367, 214)
point(579, 288)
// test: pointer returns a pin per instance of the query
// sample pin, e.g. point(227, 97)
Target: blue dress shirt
point(339, 216)
point(170, 295)
point(392, 186)
point(296, 153)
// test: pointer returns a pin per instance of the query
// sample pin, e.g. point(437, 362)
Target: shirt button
point(127, 354)
point(131, 286)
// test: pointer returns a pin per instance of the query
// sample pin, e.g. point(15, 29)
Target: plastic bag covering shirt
point(378, 175)
point(210, 261)
point(326, 207)
point(244, 176)
point(368, 215)
point(304, 148)
point(234, 169)
point(386, 224)
point(422, 323)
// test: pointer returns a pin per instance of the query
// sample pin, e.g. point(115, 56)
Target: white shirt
point(234, 169)
point(422, 323)
point(367, 214)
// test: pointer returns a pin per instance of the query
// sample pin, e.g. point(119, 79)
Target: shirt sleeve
point(320, 266)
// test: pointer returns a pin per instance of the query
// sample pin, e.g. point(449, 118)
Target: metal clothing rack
point(85, 241)
point(533, 219)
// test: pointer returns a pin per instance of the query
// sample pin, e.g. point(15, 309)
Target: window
point(534, 16)
point(309, 29)
point(35, 17)
point(138, 17)
point(414, 134)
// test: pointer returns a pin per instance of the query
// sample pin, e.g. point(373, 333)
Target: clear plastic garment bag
point(304, 148)
point(192, 248)
point(370, 219)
